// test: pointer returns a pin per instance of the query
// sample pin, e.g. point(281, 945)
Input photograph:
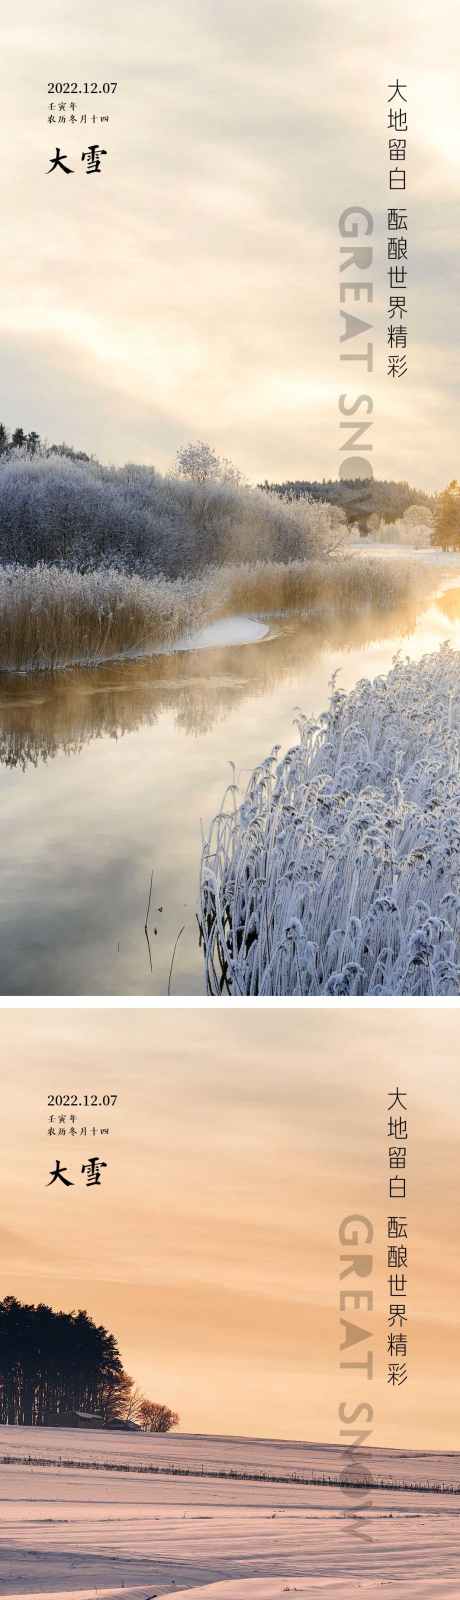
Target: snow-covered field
point(76, 1532)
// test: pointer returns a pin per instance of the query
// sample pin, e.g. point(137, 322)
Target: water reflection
point(449, 604)
point(42, 715)
point(109, 776)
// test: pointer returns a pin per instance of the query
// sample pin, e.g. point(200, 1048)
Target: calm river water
point(107, 776)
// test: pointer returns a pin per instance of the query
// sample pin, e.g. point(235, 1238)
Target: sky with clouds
point(191, 288)
point(239, 1142)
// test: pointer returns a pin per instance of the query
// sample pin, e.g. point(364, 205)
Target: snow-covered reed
point(343, 586)
point(53, 616)
point(338, 871)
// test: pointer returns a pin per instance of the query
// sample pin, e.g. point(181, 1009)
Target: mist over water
point(108, 775)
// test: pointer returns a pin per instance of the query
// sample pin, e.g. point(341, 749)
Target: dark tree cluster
point(53, 1361)
point(19, 440)
point(58, 1363)
point(359, 498)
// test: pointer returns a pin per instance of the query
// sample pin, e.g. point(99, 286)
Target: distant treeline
point(19, 439)
point(359, 498)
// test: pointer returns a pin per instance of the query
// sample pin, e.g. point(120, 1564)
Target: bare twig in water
point(146, 923)
point(181, 930)
point(147, 914)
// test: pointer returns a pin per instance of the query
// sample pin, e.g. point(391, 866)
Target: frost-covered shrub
point(338, 872)
point(57, 510)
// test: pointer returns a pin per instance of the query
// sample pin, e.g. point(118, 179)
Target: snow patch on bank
point(227, 631)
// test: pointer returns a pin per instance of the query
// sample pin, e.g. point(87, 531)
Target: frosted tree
point(201, 463)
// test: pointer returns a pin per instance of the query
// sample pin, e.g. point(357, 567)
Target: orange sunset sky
point(239, 1141)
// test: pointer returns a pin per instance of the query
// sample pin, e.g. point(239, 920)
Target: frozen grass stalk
point(337, 872)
